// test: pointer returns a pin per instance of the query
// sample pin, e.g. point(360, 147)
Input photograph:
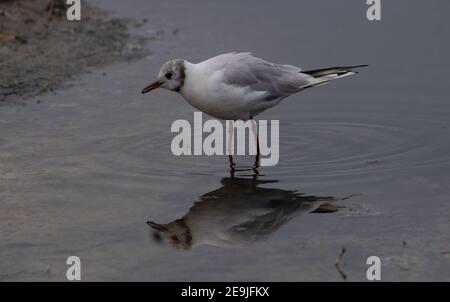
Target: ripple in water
point(314, 149)
point(341, 148)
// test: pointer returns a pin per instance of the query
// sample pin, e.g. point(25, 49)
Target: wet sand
point(40, 49)
point(83, 171)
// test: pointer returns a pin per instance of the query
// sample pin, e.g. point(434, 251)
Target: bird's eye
point(169, 75)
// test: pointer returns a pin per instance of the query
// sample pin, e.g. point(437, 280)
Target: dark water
point(82, 172)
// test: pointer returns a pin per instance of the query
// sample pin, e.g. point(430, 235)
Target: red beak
point(150, 87)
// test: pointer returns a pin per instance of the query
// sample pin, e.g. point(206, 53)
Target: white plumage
point(238, 85)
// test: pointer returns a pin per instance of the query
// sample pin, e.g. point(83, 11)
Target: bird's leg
point(256, 135)
point(232, 166)
point(230, 133)
point(256, 166)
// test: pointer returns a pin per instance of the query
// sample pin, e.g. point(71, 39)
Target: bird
point(238, 85)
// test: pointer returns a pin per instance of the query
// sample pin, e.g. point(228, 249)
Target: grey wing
point(245, 70)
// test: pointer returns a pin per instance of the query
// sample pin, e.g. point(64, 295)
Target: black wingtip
point(332, 70)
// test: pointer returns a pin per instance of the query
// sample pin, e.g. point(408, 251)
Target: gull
point(238, 85)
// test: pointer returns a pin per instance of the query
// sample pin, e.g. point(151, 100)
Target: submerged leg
point(257, 157)
point(230, 148)
point(232, 166)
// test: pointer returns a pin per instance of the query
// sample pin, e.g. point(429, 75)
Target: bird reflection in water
point(238, 213)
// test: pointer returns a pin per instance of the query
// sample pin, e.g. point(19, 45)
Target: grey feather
point(245, 70)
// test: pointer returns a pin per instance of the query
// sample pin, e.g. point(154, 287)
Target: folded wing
point(276, 80)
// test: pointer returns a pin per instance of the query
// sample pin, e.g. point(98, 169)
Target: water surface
point(364, 161)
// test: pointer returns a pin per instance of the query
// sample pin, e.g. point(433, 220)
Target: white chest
point(205, 90)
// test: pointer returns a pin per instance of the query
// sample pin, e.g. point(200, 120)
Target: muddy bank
point(40, 48)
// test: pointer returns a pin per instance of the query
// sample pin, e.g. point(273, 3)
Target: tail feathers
point(323, 76)
point(317, 73)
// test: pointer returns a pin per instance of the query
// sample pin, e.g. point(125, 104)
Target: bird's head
point(177, 232)
point(171, 77)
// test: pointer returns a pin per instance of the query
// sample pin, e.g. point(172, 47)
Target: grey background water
point(84, 170)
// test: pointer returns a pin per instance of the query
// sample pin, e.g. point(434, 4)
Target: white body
point(236, 86)
point(209, 85)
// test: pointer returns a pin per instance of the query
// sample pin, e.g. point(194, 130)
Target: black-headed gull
point(238, 86)
point(235, 86)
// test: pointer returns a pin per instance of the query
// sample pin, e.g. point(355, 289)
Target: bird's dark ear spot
point(169, 75)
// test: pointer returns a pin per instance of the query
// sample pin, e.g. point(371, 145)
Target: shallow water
point(83, 171)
